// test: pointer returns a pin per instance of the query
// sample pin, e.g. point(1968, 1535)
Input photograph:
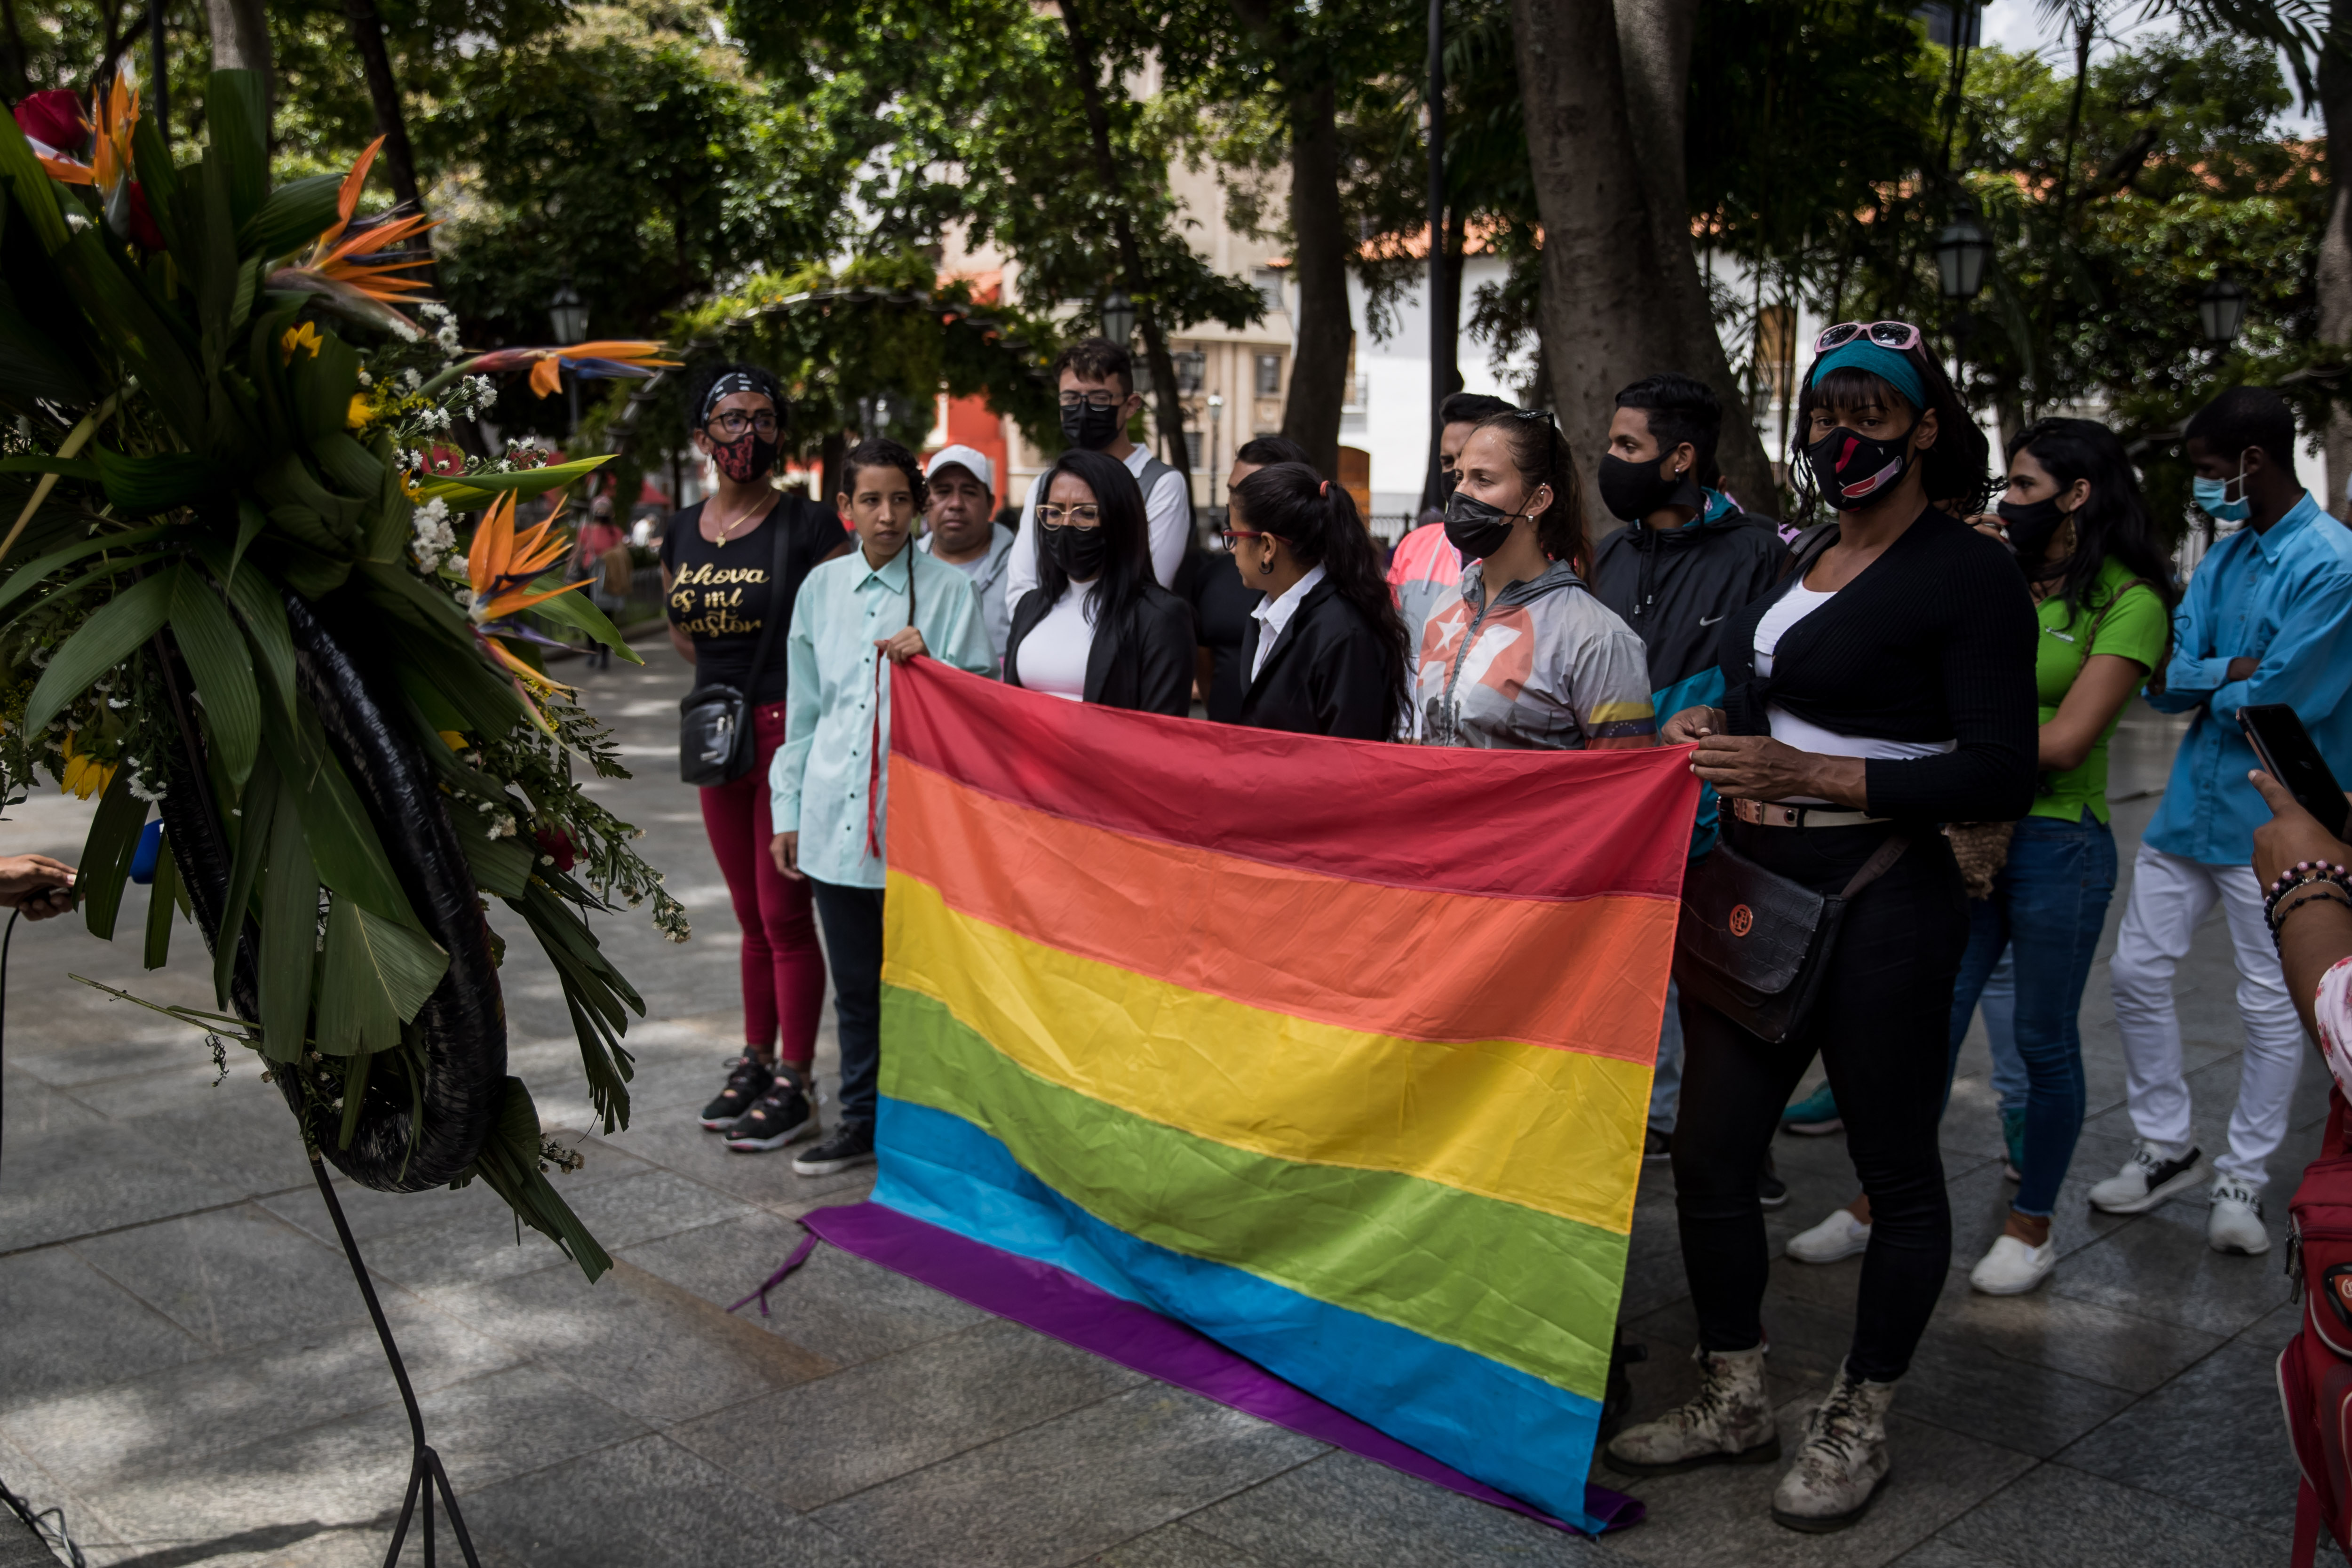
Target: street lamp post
point(1216, 417)
point(567, 315)
point(2222, 311)
point(1118, 317)
point(1962, 250)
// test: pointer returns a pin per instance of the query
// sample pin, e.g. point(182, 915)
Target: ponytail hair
point(1318, 522)
point(1539, 452)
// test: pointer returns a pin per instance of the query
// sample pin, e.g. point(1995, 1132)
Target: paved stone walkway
point(186, 1369)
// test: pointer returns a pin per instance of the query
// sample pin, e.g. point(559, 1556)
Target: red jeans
point(783, 968)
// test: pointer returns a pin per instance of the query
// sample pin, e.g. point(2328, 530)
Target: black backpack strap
point(1881, 862)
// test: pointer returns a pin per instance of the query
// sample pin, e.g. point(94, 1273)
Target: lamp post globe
point(1118, 317)
point(1962, 248)
point(2222, 311)
point(567, 315)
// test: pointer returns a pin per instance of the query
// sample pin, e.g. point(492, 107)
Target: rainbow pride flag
point(1338, 1053)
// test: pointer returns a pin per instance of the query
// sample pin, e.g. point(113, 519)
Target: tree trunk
point(2336, 243)
point(14, 81)
point(1654, 39)
point(390, 120)
point(1444, 339)
point(1601, 320)
point(240, 33)
point(1318, 375)
point(1164, 393)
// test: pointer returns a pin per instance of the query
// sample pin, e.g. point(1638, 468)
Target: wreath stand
point(425, 1475)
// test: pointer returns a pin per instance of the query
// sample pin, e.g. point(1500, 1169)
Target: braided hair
point(1319, 520)
point(1540, 453)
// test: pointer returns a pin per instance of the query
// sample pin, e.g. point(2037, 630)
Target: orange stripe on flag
point(1581, 975)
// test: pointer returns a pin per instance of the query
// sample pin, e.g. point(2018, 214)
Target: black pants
point(1879, 1024)
point(852, 918)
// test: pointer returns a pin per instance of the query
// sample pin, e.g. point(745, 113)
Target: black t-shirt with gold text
point(720, 594)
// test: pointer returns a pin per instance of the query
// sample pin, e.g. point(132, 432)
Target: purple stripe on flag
point(1058, 1303)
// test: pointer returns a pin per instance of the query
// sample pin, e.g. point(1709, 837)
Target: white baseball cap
point(962, 458)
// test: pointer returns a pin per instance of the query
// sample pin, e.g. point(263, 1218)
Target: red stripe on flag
point(1518, 823)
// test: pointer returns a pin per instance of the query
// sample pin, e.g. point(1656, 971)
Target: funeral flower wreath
point(231, 587)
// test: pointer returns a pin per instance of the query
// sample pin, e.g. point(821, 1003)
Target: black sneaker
point(780, 1116)
point(1657, 1147)
point(848, 1148)
point(1772, 1192)
point(746, 1082)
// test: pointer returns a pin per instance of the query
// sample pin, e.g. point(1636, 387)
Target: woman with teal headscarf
point(1885, 686)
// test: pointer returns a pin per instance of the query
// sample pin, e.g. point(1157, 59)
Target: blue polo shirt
point(2283, 599)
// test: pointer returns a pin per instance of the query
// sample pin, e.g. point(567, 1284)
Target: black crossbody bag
point(716, 745)
point(1753, 944)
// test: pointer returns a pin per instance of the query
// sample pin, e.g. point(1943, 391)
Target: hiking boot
point(2147, 1178)
point(1727, 1422)
point(1843, 1462)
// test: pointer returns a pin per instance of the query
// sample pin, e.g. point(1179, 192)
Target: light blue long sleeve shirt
point(2283, 599)
point(817, 783)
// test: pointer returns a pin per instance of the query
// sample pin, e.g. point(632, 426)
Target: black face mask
point(1093, 429)
point(1476, 527)
point(1632, 490)
point(1854, 471)
point(744, 459)
point(1077, 550)
point(2030, 529)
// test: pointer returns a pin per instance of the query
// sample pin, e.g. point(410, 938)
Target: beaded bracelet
point(2328, 892)
point(2303, 873)
point(2294, 874)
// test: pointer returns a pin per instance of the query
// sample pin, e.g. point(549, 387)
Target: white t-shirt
point(1053, 657)
point(1274, 615)
point(1167, 514)
point(1806, 736)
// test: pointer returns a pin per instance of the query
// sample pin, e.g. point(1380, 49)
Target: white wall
point(1391, 422)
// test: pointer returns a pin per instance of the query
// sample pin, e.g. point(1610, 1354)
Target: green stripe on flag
point(1526, 1288)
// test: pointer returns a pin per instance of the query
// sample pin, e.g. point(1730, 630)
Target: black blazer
point(1144, 662)
point(1329, 673)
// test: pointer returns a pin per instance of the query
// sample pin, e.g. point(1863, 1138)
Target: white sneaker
point(1839, 1235)
point(2012, 1266)
point(2147, 1178)
point(2236, 1223)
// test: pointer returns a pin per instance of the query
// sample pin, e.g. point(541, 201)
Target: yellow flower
point(359, 412)
point(305, 336)
point(84, 776)
point(453, 739)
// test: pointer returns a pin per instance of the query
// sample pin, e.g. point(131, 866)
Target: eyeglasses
point(1231, 534)
point(1900, 336)
point(1070, 516)
point(734, 422)
point(1092, 399)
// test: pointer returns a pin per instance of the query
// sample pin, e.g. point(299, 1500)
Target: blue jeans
point(1998, 1004)
point(2047, 908)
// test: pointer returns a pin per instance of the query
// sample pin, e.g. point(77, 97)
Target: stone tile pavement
point(187, 1371)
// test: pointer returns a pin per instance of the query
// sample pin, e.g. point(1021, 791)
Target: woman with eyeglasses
point(721, 578)
point(1523, 658)
point(1098, 627)
point(1324, 651)
point(1885, 686)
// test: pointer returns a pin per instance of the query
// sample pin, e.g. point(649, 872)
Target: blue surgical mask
point(2212, 497)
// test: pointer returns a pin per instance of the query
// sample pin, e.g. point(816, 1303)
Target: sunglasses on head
point(1900, 336)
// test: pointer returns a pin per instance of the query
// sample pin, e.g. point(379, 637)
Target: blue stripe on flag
point(1447, 1402)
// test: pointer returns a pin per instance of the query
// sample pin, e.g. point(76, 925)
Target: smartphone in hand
point(2287, 753)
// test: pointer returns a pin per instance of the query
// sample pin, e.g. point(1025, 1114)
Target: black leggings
point(1880, 1026)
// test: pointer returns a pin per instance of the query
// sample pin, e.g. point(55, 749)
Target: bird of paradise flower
point(502, 565)
point(345, 267)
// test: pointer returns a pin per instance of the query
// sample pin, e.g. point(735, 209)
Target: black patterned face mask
point(744, 459)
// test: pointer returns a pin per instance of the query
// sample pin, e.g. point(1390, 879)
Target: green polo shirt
point(2133, 626)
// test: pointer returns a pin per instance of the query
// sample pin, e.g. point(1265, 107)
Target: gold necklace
point(720, 543)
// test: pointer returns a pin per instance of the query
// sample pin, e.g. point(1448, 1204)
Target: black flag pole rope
point(425, 1475)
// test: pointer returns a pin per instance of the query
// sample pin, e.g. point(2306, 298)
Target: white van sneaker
point(1839, 1235)
point(2147, 1178)
point(2236, 1223)
point(2013, 1267)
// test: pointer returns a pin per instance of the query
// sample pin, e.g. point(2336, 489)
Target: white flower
point(447, 337)
point(409, 380)
point(366, 380)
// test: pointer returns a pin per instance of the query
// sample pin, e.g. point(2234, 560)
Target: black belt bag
point(1753, 944)
point(716, 740)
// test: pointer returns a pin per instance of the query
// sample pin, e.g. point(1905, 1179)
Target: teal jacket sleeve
point(801, 698)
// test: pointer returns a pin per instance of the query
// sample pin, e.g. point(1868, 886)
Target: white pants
point(2170, 896)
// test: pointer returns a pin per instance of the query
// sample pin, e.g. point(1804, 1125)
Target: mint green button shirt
point(817, 782)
